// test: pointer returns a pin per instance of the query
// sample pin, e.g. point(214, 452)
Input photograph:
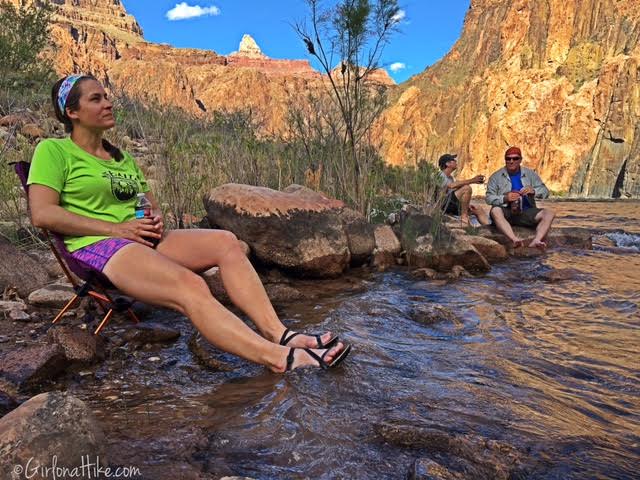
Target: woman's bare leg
point(149, 276)
point(199, 250)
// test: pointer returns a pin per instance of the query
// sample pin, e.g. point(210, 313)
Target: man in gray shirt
point(512, 192)
point(457, 199)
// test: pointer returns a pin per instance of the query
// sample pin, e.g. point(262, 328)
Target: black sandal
point(319, 358)
point(285, 339)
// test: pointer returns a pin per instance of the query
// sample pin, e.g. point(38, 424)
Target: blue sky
point(427, 31)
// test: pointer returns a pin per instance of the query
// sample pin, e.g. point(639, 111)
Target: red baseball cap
point(512, 151)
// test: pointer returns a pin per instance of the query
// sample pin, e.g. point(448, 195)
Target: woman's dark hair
point(73, 102)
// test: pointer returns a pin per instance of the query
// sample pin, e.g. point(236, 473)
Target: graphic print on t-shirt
point(123, 186)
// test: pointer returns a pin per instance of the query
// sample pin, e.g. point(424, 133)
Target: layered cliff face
point(557, 77)
point(98, 36)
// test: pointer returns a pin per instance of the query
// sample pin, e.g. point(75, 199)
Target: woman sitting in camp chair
point(85, 189)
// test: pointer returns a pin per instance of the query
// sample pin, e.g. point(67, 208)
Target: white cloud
point(183, 11)
point(398, 17)
point(397, 66)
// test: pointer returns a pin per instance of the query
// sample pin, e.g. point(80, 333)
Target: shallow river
point(544, 357)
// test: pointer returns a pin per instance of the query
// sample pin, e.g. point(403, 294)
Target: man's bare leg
point(504, 227)
point(480, 213)
point(464, 197)
point(544, 218)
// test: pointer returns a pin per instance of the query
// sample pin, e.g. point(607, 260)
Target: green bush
point(23, 37)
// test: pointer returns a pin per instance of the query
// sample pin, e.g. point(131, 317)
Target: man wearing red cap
point(512, 193)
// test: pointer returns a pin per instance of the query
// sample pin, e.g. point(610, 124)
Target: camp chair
point(95, 282)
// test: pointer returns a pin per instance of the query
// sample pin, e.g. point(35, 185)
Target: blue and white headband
point(65, 89)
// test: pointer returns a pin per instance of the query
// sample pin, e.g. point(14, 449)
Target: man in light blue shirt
point(512, 193)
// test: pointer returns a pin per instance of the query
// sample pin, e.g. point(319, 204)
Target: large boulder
point(19, 270)
point(50, 425)
point(297, 230)
point(26, 367)
point(428, 243)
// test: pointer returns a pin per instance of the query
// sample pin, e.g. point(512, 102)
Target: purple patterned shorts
point(98, 254)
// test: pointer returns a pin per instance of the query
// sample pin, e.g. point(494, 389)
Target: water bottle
point(143, 210)
point(143, 206)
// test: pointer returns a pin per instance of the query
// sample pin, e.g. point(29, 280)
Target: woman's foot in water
point(301, 340)
point(302, 359)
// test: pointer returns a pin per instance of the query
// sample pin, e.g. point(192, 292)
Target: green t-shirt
point(88, 185)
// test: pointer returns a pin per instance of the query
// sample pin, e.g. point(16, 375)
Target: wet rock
point(78, 345)
point(559, 275)
point(7, 403)
point(149, 332)
point(579, 238)
point(47, 425)
point(490, 249)
point(430, 244)
point(387, 247)
point(430, 313)
point(19, 270)
point(207, 355)
point(425, 273)
point(427, 469)
point(360, 236)
point(52, 296)
point(297, 230)
point(458, 271)
point(25, 367)
point(474, 457)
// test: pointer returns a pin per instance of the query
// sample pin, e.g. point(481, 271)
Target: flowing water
point(544, 356)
